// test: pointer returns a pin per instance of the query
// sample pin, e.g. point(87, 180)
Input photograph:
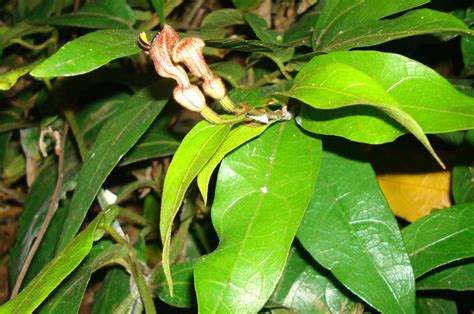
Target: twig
point(49, 216)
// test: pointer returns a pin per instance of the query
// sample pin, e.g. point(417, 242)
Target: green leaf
point(261, 30)
point(350, 230)
point(440, 238)
point(183, 286)
point(238, 44)
point(88, 53)
point(8, 34)
point(429, 305)
point(68, 297)
point(96, 14)
point(462, 184)
point(120, 133)
point(233, 72)
point(215, 23)
point(346, 24)
point(254, 97)
point(54, 273)
point(399, 87)
point(9, 79)
point(113, 291)
point(263, 189)
point(159, 6)
point(299, 34)
point(195, 150)
point(238, 136)
point(455, 276)
point(309, 288)
point(156, 142)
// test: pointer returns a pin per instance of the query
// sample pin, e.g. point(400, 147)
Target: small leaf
point(350, 230)
point(96, 14)
point(195, 150)
point(9, 79)
point(309, 288)
point(120, 133)
point(238, 136)
point(233, 72)
point(457, 276)
point(399, 87)
point(463, 173)
point(246, 4)
point(263, 189)
point(156, 142)
point(113, 291)
point(53, 274)
point(88, 53)
point(244, 45)
point(215, 23)
point(183, 286)
point(346, 24)
point(261, 30)
point(427, 305)
point(440, 238)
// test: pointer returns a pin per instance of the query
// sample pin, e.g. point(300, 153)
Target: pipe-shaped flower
point(189, 52)
point(190, 97)
point(160, 52)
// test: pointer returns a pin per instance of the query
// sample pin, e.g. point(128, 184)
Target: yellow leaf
point(413, 195)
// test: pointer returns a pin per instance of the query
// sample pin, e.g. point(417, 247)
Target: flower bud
point(190, 97)
point(214, 88)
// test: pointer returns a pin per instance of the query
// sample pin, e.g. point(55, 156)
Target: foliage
point(130, 202)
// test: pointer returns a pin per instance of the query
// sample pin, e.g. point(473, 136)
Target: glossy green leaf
point(88, 53)
point(96, 14)
point(350, 230)
point(308, 288)
point(300, 32)
point(54, 273)
point(440, 238)
point(68, 297)
point(399, 87)
point(120, 133)
point(455, 276)
point(156, 142)
point(113, 291)
point(263, 189)
point(462, 183)
point(195, 150)
point(9, 79)
point(250, 96)
point(238, 136)
point(159, 6)
point(428, 305)
point(183, 286)
point(346, 24)
point(244, 45)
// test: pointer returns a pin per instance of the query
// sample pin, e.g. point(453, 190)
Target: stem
point(135, 186)
point(49, 216)
point(133, 216)
point(136, 271)
point(214, 118)
point(31, 46)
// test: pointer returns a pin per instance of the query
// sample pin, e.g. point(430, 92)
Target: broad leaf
point(455, 276)
point(196, 149)
point(350, 230)
point(238, 136)
point(308, 288)
point(244, 45)
point(55, 272)
point(120, 133)
point(215, 23)
point(346, 24)
point(263, 189)
point(68, 297)
point(399, 87)
point(440, 238)
point(89, 52)
point(230, 71)
point(246, 4)
point(261, 30)
point(183, 286)
point(96, 14)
